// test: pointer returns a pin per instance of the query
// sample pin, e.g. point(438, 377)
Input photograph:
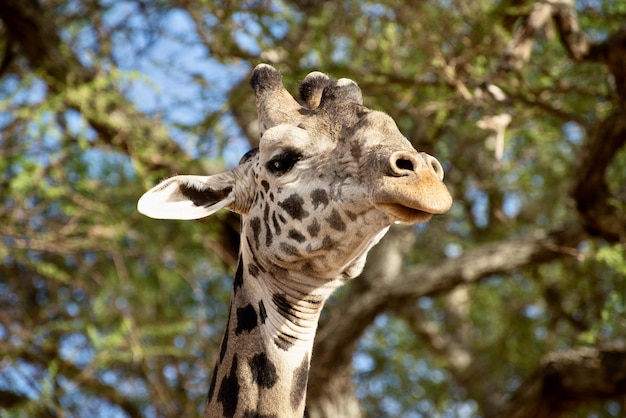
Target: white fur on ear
point(188, 197)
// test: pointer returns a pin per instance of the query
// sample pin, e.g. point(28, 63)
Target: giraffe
point(322, 188)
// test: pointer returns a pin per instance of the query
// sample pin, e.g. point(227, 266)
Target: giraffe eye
point(283, 162)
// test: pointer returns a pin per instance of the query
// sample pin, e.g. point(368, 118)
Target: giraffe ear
point(188, 197)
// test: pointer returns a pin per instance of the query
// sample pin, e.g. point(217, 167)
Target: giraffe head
point(323, 186)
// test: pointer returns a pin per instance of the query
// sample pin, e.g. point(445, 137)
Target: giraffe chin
point(404, 214)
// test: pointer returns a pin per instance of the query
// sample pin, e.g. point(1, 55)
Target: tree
point(513, 304)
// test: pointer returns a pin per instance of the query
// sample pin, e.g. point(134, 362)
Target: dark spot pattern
point(254, 414)
point(212, 385)
point(327, 243)
point(263, 371)
point(249, 245)
point(265, 185)
point(255, 224)
point(315, 302)
point(224, 346)
point(319, 197)
point(228, 394)
point(277, 227)
point(246, 319)
point(207, 197)
point(288, 249)
point(269, 238)
point(335, 221)
point(314, 228)
point(253, 270)
point(296, 236)
point(238, 279)
point(266, 219)
point(284, 342)
point(293, 205)
point(298, 387)
point(284, 307)
point(351, 215)
point(262, 312)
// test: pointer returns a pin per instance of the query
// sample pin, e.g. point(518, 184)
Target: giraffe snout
point(404, 163)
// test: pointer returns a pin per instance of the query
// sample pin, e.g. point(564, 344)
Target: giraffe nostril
point(404, 164)
point(437, 168)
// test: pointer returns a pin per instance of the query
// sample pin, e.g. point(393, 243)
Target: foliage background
point(514, 301)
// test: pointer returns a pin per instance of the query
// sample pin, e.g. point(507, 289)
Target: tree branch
point(601, 212)
point(500, 257)
point(85, 378)
point(118, 123)
point(346, 321)
point(611, 53)
point(563, 14)
point(520, 47)
point(567, 379)
point(464, 365)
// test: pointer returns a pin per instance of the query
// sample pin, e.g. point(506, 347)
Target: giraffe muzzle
point(412, 189)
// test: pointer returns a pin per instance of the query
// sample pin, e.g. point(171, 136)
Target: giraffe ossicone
point(323, 187)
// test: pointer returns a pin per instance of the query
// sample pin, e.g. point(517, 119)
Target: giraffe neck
point(263, 365)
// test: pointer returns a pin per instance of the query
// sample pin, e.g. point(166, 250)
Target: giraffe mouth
point(413, 198)
point(404, 214)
